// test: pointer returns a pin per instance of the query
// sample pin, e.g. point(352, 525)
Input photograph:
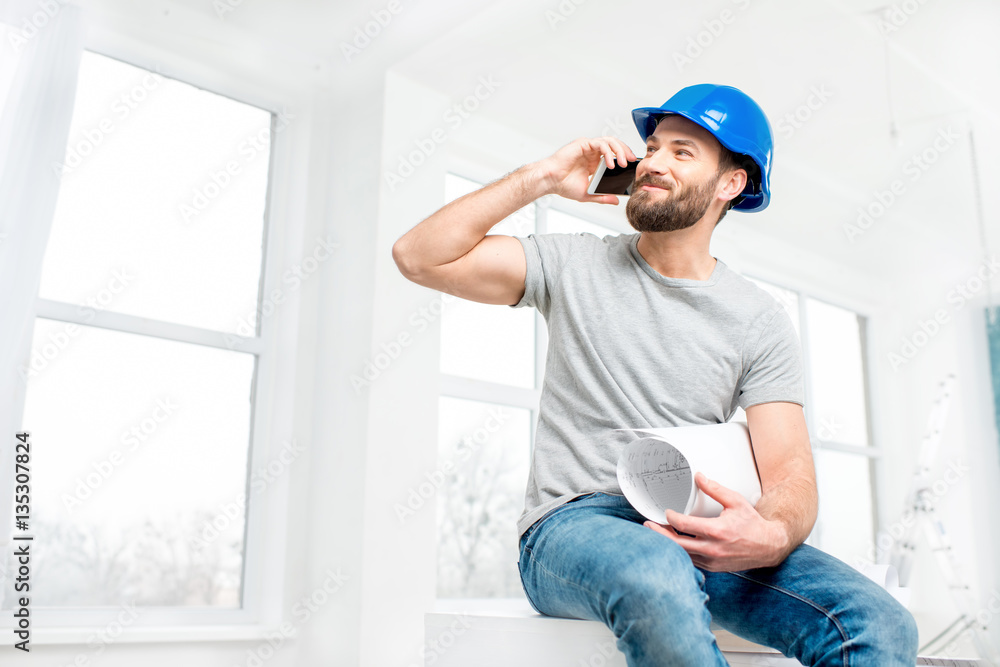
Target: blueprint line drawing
point(656, 471)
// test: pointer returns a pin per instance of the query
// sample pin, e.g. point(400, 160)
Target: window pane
point(162, 200)
point(486, 341)
point(844, 526)
point(838, 388)
point(142, 444)
point(485, 446)
point(558, 222)
point(786, 297)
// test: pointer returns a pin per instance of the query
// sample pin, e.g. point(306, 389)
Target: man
point(650, 330)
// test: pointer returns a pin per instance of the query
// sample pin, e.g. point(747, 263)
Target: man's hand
point(737, 539)
point(567, 172)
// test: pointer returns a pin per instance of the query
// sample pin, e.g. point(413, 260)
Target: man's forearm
point(456, 228)
point(793, 503)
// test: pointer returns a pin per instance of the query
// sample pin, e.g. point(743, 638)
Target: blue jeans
point(592, 558)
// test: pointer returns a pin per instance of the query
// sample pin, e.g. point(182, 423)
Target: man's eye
point(649, 149)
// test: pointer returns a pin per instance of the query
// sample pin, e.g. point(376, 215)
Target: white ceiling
point(890, 94)
point(569, 77)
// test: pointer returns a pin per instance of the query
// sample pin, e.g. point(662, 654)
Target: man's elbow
point(405, 260)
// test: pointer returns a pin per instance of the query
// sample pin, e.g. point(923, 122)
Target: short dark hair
point(729, 160)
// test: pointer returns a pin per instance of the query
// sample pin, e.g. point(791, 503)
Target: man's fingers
point(666, 531)
point(691, 545)
point(624, 153)
point(724, 495)
point(685, 523)
point(601, 199)
point(613, 150)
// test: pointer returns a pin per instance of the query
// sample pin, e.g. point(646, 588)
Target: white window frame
point(273, 385)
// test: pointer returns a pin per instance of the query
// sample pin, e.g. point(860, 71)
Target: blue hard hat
point(734, 119)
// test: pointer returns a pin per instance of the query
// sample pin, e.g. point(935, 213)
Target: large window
point(492, 364)
point(833, 345)
point(140, 383)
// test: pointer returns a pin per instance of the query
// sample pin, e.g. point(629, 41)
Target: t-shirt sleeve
point(545, 255)
point(772, 363)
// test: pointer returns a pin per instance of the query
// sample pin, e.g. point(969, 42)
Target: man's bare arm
point(787, 473)
point(450, 251)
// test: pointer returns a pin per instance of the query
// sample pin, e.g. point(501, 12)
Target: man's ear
point(733, 185)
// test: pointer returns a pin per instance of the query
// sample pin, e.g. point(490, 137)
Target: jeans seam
point(840, 628)
point(524, 587)
point(546, 570)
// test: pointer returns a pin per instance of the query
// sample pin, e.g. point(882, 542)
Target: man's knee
point(660, 608)
point(658, 583)
point(908, 633)
point(885, 627)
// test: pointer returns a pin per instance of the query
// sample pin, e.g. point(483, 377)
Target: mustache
point(649, 180)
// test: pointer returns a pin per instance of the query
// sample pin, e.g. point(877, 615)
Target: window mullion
point(65, 312)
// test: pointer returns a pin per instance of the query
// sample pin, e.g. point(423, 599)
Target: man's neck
point(679, 254)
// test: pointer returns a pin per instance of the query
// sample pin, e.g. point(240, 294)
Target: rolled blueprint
point(657, 472)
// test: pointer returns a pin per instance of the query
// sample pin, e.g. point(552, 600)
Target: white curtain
point(40, 46)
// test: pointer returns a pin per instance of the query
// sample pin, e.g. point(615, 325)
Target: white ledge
point(499, 633)
point(504, 632)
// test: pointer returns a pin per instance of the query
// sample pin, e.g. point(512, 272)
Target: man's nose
point(654, 164)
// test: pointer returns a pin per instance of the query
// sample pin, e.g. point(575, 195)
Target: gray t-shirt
point(630, 348)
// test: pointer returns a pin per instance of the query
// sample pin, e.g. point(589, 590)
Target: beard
point(678, 209)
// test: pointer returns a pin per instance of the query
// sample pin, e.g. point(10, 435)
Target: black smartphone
point(612, 180)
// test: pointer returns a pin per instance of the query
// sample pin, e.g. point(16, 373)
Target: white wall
point(969, 439)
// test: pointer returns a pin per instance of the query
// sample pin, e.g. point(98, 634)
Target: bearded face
point(671, 209)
